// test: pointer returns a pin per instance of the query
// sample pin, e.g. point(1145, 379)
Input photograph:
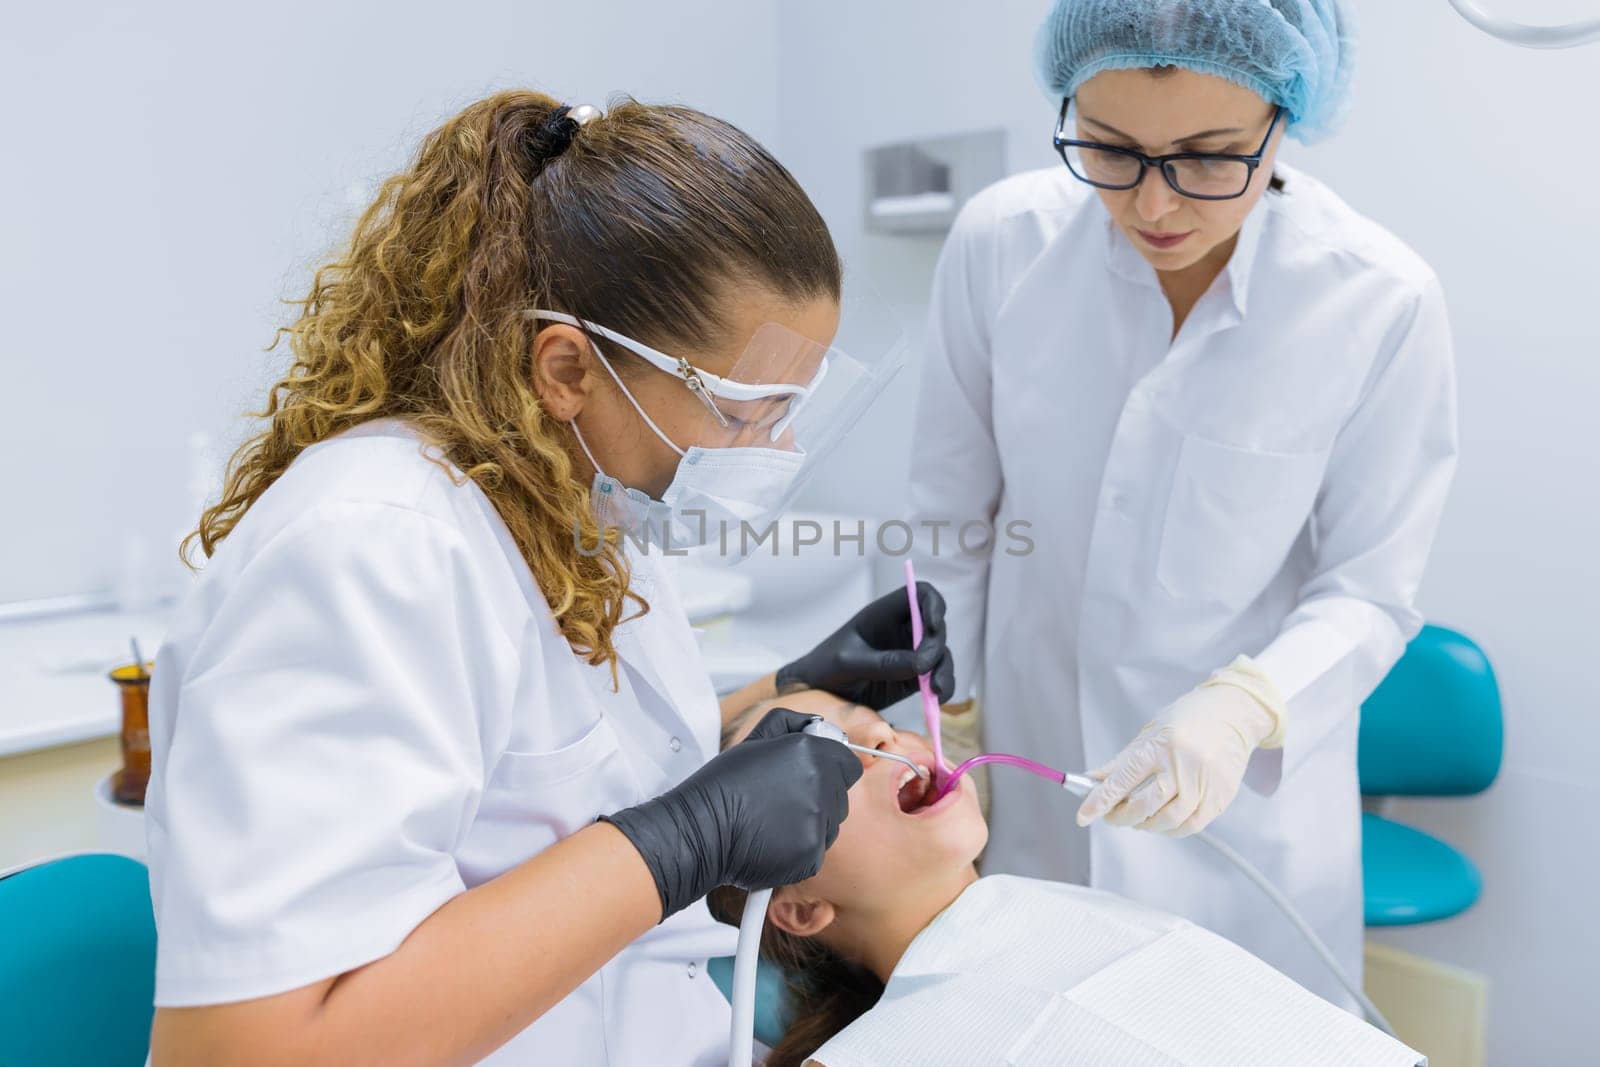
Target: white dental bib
point(1028, 972)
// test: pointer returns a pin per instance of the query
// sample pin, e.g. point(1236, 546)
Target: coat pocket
point(1232, 516)
point(534, 799)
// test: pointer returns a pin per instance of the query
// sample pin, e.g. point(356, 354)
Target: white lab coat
point(1268, 482)
point(365, 708)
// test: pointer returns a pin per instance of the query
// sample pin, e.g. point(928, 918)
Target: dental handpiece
point(820, 727)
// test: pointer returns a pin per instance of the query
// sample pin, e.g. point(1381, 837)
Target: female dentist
point(435, 773)
point(1222, 402)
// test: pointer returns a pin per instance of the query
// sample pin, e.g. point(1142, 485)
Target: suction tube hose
point(741, 1039)
point(1227, 852)
point(1080, 785)
point(741, 1046)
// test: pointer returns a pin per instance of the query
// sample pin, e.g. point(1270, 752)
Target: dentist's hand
point(1184, 769)
point(870, 661)
point(759, 815)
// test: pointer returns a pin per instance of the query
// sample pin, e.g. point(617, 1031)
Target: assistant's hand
point(869, 660)
point(759, 815)
point(1184, 769)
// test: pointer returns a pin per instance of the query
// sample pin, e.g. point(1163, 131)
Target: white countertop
point(53, 684)
point(54, 689)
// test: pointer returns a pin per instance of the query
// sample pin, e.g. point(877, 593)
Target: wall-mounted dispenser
point(918, 186)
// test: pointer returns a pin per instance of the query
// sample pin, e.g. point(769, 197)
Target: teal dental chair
point(77, 963)
point(1432, 728)
point(771, 996)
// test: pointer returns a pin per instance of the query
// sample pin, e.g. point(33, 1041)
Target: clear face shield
point(785, 394)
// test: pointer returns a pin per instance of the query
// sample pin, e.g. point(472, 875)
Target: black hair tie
point(556, 133)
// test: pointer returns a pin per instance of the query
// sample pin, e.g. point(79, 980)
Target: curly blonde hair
point(642, 220)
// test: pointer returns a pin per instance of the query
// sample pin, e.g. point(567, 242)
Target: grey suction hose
point(1081, 785)
point(741, 1038)
point(741, 1044)
point(1227, 852)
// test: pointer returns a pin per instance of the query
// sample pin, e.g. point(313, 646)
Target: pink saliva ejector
point(930, 699)
point(944, 781)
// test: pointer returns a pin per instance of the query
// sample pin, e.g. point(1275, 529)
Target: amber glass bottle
point(128, 784)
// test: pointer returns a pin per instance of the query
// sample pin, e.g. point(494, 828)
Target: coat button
point(693, 970)
point(675, 744)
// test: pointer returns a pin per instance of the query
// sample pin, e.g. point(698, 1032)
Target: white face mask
point(712, 492)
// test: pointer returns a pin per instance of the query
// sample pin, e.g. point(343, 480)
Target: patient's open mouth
point(915, 792)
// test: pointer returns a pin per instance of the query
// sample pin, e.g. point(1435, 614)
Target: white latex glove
point(1184, 769)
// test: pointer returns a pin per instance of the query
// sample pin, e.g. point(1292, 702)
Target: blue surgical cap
point(1294, 53)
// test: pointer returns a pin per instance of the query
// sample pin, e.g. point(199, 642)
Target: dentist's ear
point(562, 374)
point(794, 913)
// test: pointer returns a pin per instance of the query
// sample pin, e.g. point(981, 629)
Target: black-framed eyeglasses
point(1198, 175)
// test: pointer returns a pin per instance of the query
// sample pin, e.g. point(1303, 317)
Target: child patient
point(896, 952)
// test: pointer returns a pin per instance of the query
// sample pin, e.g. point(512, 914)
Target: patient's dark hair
point(826, 992)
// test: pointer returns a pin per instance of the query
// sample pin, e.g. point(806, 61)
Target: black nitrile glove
point(757, 816)
point(869, 660)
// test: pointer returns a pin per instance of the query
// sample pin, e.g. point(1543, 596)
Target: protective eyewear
point(778, 402)
point(1197, 175)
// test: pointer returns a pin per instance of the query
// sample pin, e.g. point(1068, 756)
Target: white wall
point(914, 70)
point(172, 170)
point(1481, 156)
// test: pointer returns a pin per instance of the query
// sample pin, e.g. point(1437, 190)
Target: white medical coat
point(1267, 482)
point(365, 708)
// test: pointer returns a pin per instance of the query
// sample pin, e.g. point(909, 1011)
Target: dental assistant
point(435, 755)
point(1224, 404)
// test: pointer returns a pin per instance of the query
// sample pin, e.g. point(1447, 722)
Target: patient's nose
point(913, 744)
point(873, 734)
